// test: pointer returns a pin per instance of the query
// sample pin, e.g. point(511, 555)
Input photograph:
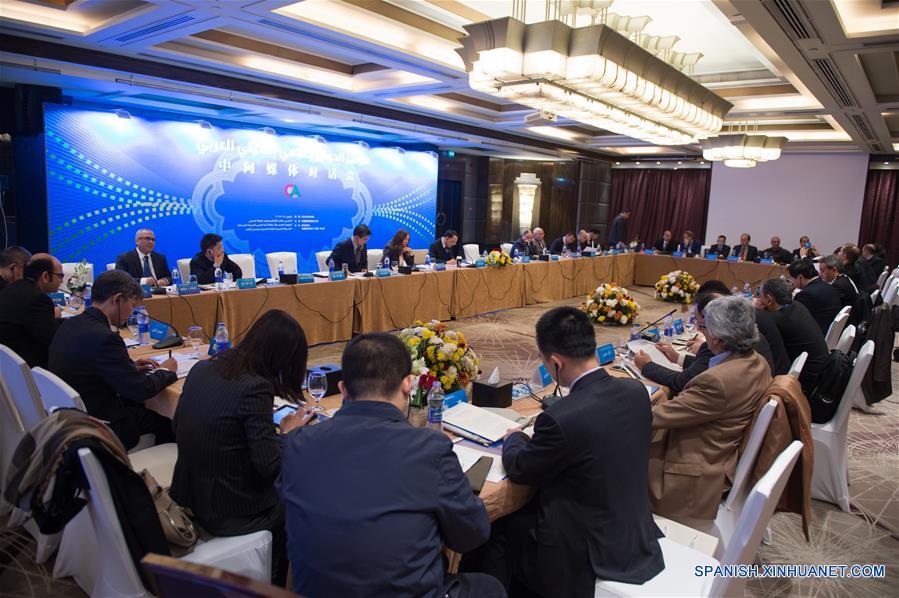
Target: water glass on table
point(621, 348)
point(196, 337)
point(132, 326)
point(317, 385)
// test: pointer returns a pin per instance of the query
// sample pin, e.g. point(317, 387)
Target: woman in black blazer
point(229, 454)
point(398, 247)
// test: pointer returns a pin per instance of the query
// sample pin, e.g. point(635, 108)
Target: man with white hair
point(143, 264)
point(697, 434)
point(538, 242)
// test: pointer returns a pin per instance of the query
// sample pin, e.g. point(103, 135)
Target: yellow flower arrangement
point(611, 304)
point(677, 287)
point(498, 258)
point(438, 354)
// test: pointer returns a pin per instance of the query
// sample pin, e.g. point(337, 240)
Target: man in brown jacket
point(697, 435)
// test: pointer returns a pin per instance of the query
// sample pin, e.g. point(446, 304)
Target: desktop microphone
point(168, 342)
point(657, 321)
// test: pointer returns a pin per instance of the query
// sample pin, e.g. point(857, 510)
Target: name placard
point(159, 331)
point(246, 283)
point(678, 326)
point(733, 258)
point(766, 260)
point(544, 375)
point(305, 278)
point(605, 354)
point(526, 259)
point(382, 272)
point(554, 257)
point(337, 275)
point(677, 254)
point(649, 251)
point(189, 288)
point(711, 256)
point(148, 292)
point(480, 263)
point(454, 398)
point(440, 267)
point(58, 299)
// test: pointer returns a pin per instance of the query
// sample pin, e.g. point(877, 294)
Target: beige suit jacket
point(697, 436)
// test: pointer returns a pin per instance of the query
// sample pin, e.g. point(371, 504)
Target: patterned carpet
point(870, 534)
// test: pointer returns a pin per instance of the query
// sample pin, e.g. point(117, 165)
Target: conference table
point(332, 311)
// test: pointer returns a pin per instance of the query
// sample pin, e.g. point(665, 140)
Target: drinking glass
point(132, 326)
point(621, 348)
point(196, 337)
point(317, 385)
point(690, 324)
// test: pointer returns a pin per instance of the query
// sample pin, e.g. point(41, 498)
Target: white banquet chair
point(836, 328)
point(678, 577)
point(829, 479)
point(55, 393)
point(883, 276)
point(184, 269)
point(113, 573)
point(846, 339)
point(471, 252)
point(892, 289)
point(21, 387)
point(507, 247)
point(288, 258)
point(246, 262)
point(321, 257)
point(798, 364)
point(375, 258)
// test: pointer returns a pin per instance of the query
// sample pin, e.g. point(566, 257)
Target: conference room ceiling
point(822, 73)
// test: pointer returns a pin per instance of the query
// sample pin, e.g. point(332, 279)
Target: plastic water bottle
point(280, 270)
point(734, 290)
point(435, 407)
point(428, 261)
point(176, 276)
point(635, 332)
point(86, 296)
point(143, 326)
point(219, 279)
point(515, 254)
point(331, 266)
point(484, 255)
point(747, 290)
point(669, 330)
point(641, 246)
point(387, 263)
point(221, 341)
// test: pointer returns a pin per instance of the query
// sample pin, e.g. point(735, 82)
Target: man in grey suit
point(618, 230)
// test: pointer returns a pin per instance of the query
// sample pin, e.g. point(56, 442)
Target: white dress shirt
point(140, 258)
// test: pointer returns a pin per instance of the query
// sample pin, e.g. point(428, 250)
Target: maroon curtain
point(880, 212)
point(676, 200)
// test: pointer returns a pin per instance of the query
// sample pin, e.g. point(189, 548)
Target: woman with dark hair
point(399, 247)
point(229, 454)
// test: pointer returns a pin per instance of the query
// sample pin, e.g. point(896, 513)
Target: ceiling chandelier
point(742, 150)
point(593, 74)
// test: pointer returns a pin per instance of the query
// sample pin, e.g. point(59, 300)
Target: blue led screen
point(108, 176)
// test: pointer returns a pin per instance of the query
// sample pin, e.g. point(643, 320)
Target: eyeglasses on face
point(60, 274)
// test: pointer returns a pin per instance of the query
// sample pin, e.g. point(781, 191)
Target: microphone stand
point(657, 321)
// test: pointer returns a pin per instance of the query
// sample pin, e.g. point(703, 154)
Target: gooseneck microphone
point(657, 321)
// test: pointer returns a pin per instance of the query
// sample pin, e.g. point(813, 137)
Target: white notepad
point(185, 362)
point(468, 456)
point(475, 423)
point(657, 356)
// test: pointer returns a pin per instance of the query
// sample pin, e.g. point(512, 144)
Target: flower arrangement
point(438, 354)
point(498, 258)
point(611, 304)
point(678, 287)
point(78, 280)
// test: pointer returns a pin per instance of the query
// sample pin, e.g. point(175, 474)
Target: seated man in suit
point(539, 242)
point(352, 251)
point(831, 270)
point(594, 241)
point(12, 264)
point(446, 248)
point(745, 251)
point(798, 329)
point(821, 299)
point(720, 248)
point(583, 240)
point(587, 459)
point(778, 253)
point(28, 319)
point(666, 244)
point(378, 529)
point(212, 256)
point(523, 245)
point(698, 433)
point(875, 263)
point(93, 360)
point(565, 241)
point(805, 249)
point(689, 246)
point(145, 265)
point(856, 268)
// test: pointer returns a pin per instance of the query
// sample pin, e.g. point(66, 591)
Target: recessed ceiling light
point(658, 162)
point(702, 162)
point(617, 163)
point(637, 162)
point(885, 163)
point(680, 162)
point(675, 168)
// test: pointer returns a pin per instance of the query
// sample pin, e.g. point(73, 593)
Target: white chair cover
point(420, 255)
point(829, 479)
point(322, 258)
point(471, 251)
point(11, 431)
point(246, 262)
point(375, 258)
point(21, 388)
point(846, 339)
point(288, 257)
point(55, 393)
point(836, 328)
point(184, 268)
point(114, 572)
point(892, 290)
point(159, 460)
point(798, 364)
point(507, 247)
point(110, 266)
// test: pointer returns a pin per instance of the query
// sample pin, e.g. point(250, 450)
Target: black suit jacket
point(861, 275)
point(524, 249)
point(693, 248)
point(779, 255)
point(848, 294)
point(438, 252)
point(723, 253)
point(779, 360)
point(130, 262)
point(229, 455)
point(876, 265)
point(344, 253)
point(801, 333)
point(752, 252)
point(27, 321)
point(559, 245)
point(618, 230)
point(3, 282)
point(397, 255)
point(588, 461)
point(822, 301)
point(662, 247)
point(93, 360)
point(674, 380)
point(204, 269)
point(384, 500)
